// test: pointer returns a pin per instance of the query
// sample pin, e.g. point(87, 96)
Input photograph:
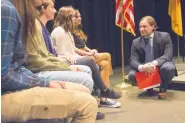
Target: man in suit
point(152, 49)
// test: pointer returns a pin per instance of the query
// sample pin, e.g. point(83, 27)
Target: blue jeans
point(84, 68)
point(83, 77)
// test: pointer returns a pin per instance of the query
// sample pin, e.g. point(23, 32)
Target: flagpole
point(183, 34)
point(123, 84)
point(178, 57)
point(122, 49)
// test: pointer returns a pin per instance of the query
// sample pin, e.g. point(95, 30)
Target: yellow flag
point(174, 11)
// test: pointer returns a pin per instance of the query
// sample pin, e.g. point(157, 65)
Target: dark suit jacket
point(162, 46)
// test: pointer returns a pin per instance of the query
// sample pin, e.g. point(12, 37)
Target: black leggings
point(95, 71)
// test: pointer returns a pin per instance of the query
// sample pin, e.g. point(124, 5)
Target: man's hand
point(148, 68)
point(57, 84)
point(74, 68)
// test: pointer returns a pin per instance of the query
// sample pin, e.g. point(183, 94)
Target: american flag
point(125, 8)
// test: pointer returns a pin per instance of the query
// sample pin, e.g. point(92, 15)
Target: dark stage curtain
point(99, 24)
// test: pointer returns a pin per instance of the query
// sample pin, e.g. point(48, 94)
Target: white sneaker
point(106, 102)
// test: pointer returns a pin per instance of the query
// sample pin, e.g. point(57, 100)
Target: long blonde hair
point(64, 18)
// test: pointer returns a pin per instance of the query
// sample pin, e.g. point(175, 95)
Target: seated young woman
point(64, 41)
point(102, 59)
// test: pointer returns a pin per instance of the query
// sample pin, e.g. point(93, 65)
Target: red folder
point(146, 82)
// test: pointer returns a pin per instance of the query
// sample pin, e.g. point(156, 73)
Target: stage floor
point(181, 72)
point(146, 109)
point(116, 78)
point(138, 109)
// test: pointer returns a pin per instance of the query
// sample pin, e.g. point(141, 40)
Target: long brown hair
point(27, 12)
point(77, 30)
point(64, 18)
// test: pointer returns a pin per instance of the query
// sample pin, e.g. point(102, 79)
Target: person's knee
point(90, 59)
point(167, 71)
point(108, 55)
point(86, 103)
point(90, 62)
point(91, 103)
point(89, 83)
point(77, 87)
point(104, 64)
point(167, 67)
point(131, 76)
point(82, 78)
point(87, 69)
point(92, 100)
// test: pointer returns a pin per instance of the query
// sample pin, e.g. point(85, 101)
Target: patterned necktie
point(149, 57)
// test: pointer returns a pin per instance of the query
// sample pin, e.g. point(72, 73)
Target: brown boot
point(162, 94)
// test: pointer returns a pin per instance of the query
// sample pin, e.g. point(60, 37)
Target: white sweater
point(64, 42)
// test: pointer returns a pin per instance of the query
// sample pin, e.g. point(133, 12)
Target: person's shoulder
point(9, 13)
point(7, 7)
point(161, 34)
point(6, 3)
point(58, 30)
point(137, 39)
point(38, 25)
point(37, 22)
